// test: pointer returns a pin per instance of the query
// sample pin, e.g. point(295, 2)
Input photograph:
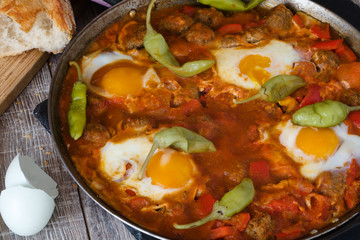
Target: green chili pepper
point(77, 110)
point(231, 203)
point(276, 88)
point(322, 114)
point(179, 138)
point(231, 5)
point(157, 47)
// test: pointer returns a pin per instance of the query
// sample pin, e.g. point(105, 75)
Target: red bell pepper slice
point(285, 204)
point(130, 193)
point(353, 172)
point(327, 45)
point(312, 96)
point(322, 32)
point(297, 20)
point(355, 118)
point(191, 106)
point(259, 172)
point(241, 220)
point(352, 196)
point(289, 233)
point(205, 203)
point(345, 54)
point(189, 10)
point(230, 29)
point(222, 232)
point(138, 203)
point(254, 24)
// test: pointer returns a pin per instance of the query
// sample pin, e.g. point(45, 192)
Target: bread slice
point(47, 25)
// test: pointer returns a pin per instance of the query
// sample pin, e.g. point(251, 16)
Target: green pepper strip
point(323, 114)
point(231, 203)
point(231, 5)
point(276, 88)
point(157, 47)
point(77, 109)
point(179, 138)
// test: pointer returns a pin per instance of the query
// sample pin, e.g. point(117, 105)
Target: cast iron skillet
point(81, 42)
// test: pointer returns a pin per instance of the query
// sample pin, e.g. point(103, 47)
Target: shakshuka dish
point(217, 121)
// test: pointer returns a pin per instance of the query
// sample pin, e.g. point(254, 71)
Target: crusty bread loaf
point(47, 25)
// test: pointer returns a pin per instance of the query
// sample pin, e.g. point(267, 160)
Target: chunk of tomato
point(312, 96)
point(259, 172)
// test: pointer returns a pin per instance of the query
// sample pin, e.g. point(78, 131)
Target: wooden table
point(76, 216)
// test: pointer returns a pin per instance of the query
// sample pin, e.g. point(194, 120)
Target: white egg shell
point(26, 211)
point(23, 171)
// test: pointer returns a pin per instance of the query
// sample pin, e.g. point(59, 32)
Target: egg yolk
point(122, 81)
point(320, 142)
point(253, 66)
point(170, 169)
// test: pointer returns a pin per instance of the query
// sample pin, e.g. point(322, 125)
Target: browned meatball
point(209, 16)
point(254, 35)
point(96, 134)
point(350, 97)
point(280, 18)
point(138, 125)
point(132, 36)
point(96, 105)
point(230, 40)
point(250, 37)
point(260, 227)
point(327, 63)
point(333, 186)
point(176, 23)
point(199, 34)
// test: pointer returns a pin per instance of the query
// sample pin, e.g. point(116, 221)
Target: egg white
point(116, 155)
point(311, 167)
point(281, 54)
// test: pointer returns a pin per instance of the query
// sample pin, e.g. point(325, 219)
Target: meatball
point(96, 105)
point(254, 35)
point(333, 186)
point(327, 63)
point(131, 36)
point(250, 37)
point(177, 23)
point(280, 18)
point(350, 97)
point(260, 227)
point(229, 41)
point(209, 16)
point(96, 134)
point(138, 125)
point(199, 34)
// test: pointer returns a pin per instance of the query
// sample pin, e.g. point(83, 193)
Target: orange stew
point(298, 185)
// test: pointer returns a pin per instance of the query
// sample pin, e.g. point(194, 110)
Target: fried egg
point(168, 172)
point(113, 74)
point(251, 67)
point(319, 149)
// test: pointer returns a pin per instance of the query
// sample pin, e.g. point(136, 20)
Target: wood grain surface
point(76, 216)
point(15, 74)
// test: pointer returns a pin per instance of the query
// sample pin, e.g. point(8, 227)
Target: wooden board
point(15, 74)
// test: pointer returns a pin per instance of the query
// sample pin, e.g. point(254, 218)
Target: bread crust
point(47, 25)
point(24, 12)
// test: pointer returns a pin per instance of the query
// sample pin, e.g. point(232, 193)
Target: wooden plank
point(15, 74)
point(101, 224)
